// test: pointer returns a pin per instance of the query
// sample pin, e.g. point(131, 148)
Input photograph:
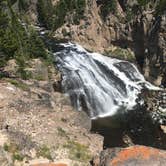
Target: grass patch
point(13, 148)
point(23, 74)
point(120, 53)
point(45, 152)
point(39, 78)
point(18, 84)
point(78, 151)
point(18, 157)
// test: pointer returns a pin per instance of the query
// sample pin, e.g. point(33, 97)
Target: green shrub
point(18, 157)
point(6, 147)
point(74, 7)
point(21, 62)
point(14, 150)
point(39, 78)
point(143, 2)
point(61, 10)
point(121, 53)
point(22, 73)
point(54, 17)
point(8, 42)
point(161, 7)
point(45, 13)
point(44, 151)
point(78, 151)
point(80, 7)
point(16, 41)
point(129, 14)
point(19, 84)
point(36, 46)
point(109, 6)
point(23, 5)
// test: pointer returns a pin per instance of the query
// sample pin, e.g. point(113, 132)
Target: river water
point(100, 85)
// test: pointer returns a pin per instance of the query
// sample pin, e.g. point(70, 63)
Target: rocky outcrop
point(134, 155)
point(156, 105)
point(26, 7)
point(38, 125)
point(143, 32)
point(32, 120)
point(104, 26)
point(149, 40)
point(91, 32)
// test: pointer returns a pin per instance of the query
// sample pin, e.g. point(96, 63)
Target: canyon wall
point(132, 30)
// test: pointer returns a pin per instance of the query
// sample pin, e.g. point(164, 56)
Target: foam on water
point(98, 84)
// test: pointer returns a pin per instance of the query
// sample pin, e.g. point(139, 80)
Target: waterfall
point(100, 85)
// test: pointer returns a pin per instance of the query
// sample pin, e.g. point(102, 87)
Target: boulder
point(134, 155)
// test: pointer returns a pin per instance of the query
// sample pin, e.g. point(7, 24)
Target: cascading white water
point(99, 84)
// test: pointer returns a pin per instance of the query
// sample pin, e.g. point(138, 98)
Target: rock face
point(143, 32)
point(29, 7)
point(156, 105)
point(93, 32)
point(135, 155)
point(107, 25)
point(38, 123)
point(150, 44)
point(32, 114)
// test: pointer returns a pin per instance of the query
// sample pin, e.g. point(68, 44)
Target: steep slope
point(142, 31)
point(128, 29)
point(122, 28)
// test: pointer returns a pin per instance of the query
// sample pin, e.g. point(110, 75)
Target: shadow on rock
point(130, 129)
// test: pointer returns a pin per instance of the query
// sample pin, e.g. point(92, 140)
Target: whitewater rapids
point(98, 84)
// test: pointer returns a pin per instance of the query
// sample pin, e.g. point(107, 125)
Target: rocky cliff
point(38, 125)
point(133, 30)
point(33, 113)
point(123, 28)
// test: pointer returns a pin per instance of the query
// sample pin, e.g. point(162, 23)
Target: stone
point(38, 70)
point(11, 67)
point(134, 155)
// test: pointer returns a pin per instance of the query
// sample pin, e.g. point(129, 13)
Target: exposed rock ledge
point(38, 124)
point(135, 155)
